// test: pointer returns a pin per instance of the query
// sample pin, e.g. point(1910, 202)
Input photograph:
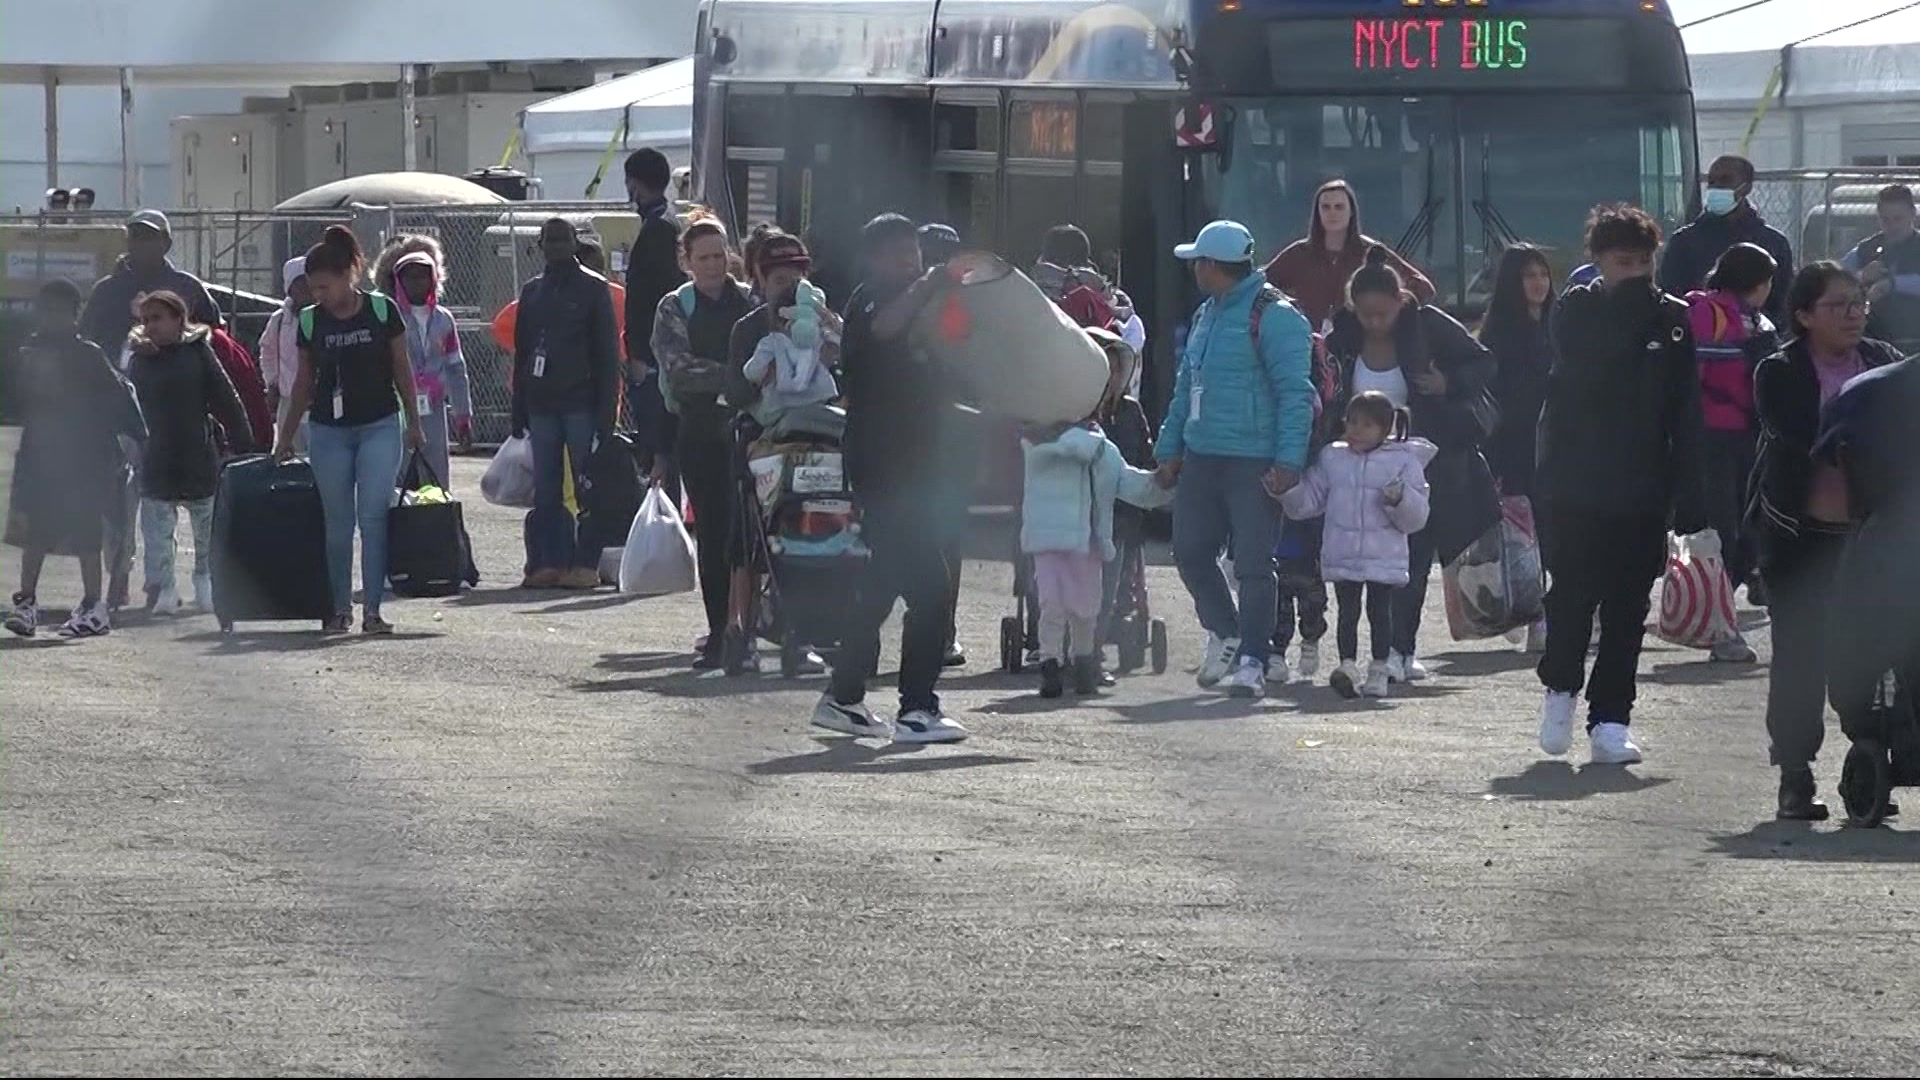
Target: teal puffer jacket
point(1227, 401)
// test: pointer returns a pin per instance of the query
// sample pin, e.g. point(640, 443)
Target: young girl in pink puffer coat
point(1372, 488)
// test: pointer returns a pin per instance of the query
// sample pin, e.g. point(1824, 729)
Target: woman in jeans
point(1800, 513)
point(355, 384)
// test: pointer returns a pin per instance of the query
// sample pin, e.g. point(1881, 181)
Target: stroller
point(1885, 755)
point(799, 537)
point(1126, 617)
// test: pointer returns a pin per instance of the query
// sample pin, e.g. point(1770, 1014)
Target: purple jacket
point(1365, 539)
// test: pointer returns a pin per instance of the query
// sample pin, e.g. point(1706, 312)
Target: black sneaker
point(24, 617)
point(339, 624)
point(374, 624)
point(1797, 801)
point(956, 657)
point(1086, 675)
point(1050, 684)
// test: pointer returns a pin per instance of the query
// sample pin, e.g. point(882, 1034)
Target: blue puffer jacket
point(1249, 406)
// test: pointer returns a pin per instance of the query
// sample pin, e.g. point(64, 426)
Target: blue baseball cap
point(1221, 241)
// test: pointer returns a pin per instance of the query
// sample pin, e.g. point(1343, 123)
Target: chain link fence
point(1825, 212)
point(491, 251)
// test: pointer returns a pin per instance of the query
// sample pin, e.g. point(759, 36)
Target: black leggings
point(706, 467)
point(1379, 607)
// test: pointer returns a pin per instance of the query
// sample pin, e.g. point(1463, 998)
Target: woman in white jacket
point(279, 351)
point(1372, 488)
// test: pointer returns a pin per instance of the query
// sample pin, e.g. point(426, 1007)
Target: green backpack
point(380, 307)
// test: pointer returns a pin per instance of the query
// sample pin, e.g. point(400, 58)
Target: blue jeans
point(1221, 505)
point(559, 440)
point(354, 468)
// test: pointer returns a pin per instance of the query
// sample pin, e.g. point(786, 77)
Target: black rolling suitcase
point(269, 544)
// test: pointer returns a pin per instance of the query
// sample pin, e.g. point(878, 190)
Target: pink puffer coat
point(1365, 539)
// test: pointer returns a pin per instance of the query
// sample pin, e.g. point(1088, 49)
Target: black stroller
point(1885, 754)
point(799, 537)
point(1126, 619)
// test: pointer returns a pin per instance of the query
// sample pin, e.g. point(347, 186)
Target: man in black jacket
point(899, 406)
point(566, 393)
point(1619, 452)
point(1727, 217)
point(653, 271)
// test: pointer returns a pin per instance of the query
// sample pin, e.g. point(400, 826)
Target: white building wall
point(90, 139)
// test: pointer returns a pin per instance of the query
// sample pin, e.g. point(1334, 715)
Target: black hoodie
point(1620, 432)
point(180, 387)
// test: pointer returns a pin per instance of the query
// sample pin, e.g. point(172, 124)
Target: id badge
point(539, 363)
point(339, 405)
point(1193, 407)
point(420, 404)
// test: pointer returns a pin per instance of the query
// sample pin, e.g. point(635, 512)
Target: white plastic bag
point(659, 556)
point(508, 480)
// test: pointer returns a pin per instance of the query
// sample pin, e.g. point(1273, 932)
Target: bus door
point(855, 155)
point(967, 149)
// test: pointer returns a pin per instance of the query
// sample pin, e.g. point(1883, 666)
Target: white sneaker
point(1556, 723)
point(1277, 671)
point(812, 663)
point(1733, 650)
point(1309, 664)
point(24, 617)
point(1216, 660)
point(921, 726)
point(1396, 666)
point(1345, 679)
point(1612, 744)
point(1415, 670)
point(1249, 678)
point(203, 593)
point(847, 719)
point(89, 620)
point(1537, 637)
point(166, 601)
point(1377, 680)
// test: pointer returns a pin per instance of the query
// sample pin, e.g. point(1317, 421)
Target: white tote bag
point(659, 556)
point(508, 480)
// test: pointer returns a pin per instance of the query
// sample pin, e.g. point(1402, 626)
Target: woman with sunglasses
point(1800, 514)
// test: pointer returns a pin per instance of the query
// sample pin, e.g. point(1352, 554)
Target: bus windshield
point(1451, 180)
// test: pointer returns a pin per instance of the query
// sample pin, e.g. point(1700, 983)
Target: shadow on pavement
point(685, 683)
point(596, 601)
point(850, 756)
point(1802, 842)
point(1704, 673)
point(305, 639)
point(512, 594)
point(1485, 662)
point(645, 661)
point(47, 636)
point(1558, 781)
point(1199, 707)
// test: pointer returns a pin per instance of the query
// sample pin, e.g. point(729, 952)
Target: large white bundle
point(1023, 356)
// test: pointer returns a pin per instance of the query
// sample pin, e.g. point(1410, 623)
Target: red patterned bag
point(1696, 598)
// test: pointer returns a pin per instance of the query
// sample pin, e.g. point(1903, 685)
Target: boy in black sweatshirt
point(1619, 457)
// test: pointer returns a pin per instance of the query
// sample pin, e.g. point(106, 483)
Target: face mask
point(1720, 201)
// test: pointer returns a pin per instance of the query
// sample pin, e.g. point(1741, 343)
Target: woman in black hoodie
point(1800, 512)
point(1425, 362)
point(181, 385)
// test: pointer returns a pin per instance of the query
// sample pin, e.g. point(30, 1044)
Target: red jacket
point(245, 376)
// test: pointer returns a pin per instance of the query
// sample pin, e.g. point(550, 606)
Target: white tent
point(1835, 52)
point(567, 137)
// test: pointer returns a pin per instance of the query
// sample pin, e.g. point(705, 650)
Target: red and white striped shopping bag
point(1696, 598)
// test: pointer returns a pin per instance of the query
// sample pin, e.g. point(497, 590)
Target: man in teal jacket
point(1235, 437)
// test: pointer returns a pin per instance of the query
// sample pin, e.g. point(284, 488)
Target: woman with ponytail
point(356, 389)
point(1386, 341)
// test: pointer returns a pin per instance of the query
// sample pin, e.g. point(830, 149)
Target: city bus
point(1464, 125)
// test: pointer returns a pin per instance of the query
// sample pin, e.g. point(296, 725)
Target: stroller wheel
point(1013, 640)
point(1866, 784)
point(1157, 645)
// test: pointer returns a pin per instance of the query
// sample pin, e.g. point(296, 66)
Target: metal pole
point(409, 137)
point(50, 91)
point(129, 165)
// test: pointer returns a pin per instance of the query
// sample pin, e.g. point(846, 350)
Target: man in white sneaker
point(1619, 452)
point(1234, 439)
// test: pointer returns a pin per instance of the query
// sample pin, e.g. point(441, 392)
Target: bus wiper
point(1420, 229)
point(1494, 225)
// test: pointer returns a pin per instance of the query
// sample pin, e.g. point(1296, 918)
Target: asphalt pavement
point(519, 838)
